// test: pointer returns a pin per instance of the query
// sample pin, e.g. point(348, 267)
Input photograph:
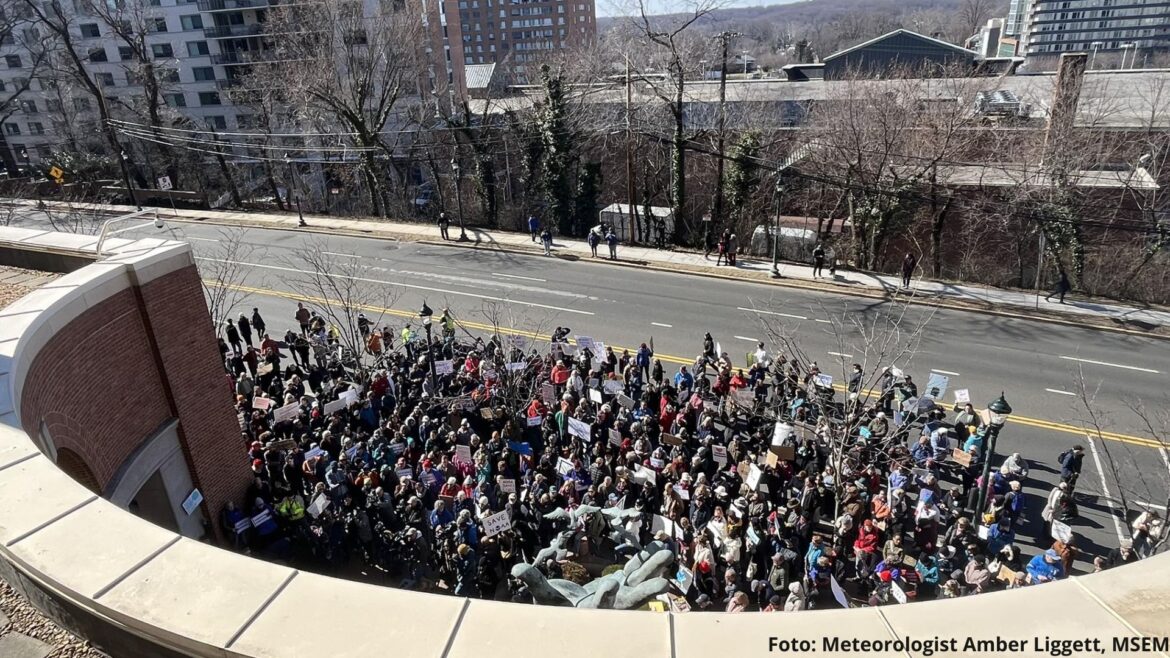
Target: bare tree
point(223, 270)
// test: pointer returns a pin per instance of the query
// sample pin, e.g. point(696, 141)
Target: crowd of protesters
point(776, 492)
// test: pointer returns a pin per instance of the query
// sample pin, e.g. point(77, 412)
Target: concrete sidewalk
point(863, 283)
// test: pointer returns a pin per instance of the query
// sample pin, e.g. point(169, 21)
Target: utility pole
point(724, 38)
point(631, 188)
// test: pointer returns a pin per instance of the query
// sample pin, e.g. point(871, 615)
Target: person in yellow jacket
point(448, 322)
point(291, 508)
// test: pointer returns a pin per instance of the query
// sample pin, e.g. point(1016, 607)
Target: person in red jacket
point(560, 374)
point(865, 548)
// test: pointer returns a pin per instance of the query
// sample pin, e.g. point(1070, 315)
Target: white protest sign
point(824, 380)
point(496, 523)
point(615, 437)
point(564, 466)
point(579, 428)
point(319, 504)
point(753, 478)
point(287, 412)
point(333, 407)
point(261, 403)
point(781, 433)
point(683, 579)
point(625, 400)
point(507, 485)
point(838, 593)
point(936, 386)
point(645, 475)
point(613, 386)
point(1061, 531)
point(444, 367)
point(516, 365)
point(517, 341)
point(463, 454)
point(898, 594)
point(350, 396)
point(719, 453)
point(192, 501)
point(595, 395)
point(962, 396)
point(657, 463)
point(586, 343)
point(535, 421)
point(405, 473)
point(682, 492)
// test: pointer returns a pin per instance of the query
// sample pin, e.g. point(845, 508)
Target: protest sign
point(783, 453)
point(719, 454)
point(463, 454)
point(261, 518)
point(242, 526)
point(586, 343)
point(486, 414)
point(535, 421)
point(579, 428)
point(960, 457)
point(405, 473)
point(897, 593)
point(548, 394)
point(192, 501)
point(333, 407)
point(284, 444)
point(615, 437)
point(507, 485)
point(962, 396)
point(593, 382)
point(595, 395)
point(657, 463)
point(936, 386)
point(1061, 531)
point(490, 374)
point(564, 466)
point(681, 492)
point(261, 403)
point(838, 593)
point(625, 400)
point(517, 341)
point(824, 380)
point(466, 404)
point(782, 433)
point(683, 579)
point(318, 506)
point(753, 478)
point(287, 412)
point(445, 367)
point(613, 386)
point(314, 453)
point(496, 523)
point(516, 366)
point(645, 475)
point(350, 396)
point(671, 440)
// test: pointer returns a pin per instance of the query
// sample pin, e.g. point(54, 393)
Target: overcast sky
point(622, 7)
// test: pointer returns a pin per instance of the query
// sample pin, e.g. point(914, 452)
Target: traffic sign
point(164, 182)
point(56, 173)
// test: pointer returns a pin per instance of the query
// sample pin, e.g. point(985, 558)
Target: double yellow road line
point(1038, 423)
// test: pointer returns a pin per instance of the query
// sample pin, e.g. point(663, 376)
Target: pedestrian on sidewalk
point(660, 232)
point(1070, 466)
point(233, 336)
point(245, 329)
point(546, 240)
point(444, 224)
point(732, 248)
point(302, 317)
point(1062, 287)
point(722, 246)
point(611, 239)
point(533, 226)
point(909, 263)
point(594, 239)
point(818, 261)
point(258, 322)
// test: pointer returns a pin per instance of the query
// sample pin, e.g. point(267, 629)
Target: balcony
point(230, 5)
point(229, 31)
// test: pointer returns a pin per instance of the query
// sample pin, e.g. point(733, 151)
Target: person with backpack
point(1070, 465)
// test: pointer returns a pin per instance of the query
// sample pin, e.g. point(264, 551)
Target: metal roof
point(898, 33)
point(478, 76)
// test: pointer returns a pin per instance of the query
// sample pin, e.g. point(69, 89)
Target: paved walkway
point(984, 296)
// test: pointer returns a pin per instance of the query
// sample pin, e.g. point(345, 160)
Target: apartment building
point(1135, 28)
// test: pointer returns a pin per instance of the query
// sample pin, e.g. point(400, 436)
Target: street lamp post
point(425, 314)
point(998, 410)
point(776, 227)
point(455, 169)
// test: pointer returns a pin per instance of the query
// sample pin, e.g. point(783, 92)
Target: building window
point(90, 31)
point(13, 61)
point(81, 104)
point(36, 128)
point(28, 107)
point(203, 73)
point(192, 22)
point(218, 123)
point(125, 53)
point(197, 48)
point(11, 129)
point(175, 100)
point(53, 105)
point(209, 98)
point(169, 75)
point(157, 25)
point(104, 79)
point(162, 50)
point(98, 55)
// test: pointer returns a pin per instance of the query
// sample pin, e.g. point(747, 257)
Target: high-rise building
point(1134, 27)
point(1014, 23)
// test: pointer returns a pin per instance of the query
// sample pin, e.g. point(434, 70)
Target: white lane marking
point(1106, 363)
point(783, 315)
point(1121, 534)
point(659, 324)
point(407, 285)
point(844, 356)
point(748, 338)
point(1148, 505)
point(1058, 391)
point(824, 321)
point(337, 253)
point(200, 239)
point(946, 372)
point(516, 276)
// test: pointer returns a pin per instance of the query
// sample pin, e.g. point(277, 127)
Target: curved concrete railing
point(138, 590)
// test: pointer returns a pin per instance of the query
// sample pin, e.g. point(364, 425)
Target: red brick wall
point(208, 426)
point(100, 390)
point(96, 388)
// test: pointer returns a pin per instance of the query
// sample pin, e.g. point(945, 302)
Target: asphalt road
point(1039, 366)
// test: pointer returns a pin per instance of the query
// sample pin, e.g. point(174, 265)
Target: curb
point(1085, 322)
